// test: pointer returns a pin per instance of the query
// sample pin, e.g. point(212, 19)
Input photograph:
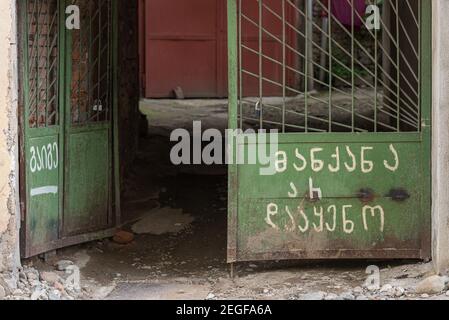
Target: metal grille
point(91, 63)
point(318, 72)
point(42, 63)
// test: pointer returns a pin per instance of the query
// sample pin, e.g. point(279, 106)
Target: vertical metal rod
point(418, 127)
point(306, 67)
point(398, 69)
point(376, 48)
point(115, 111)
point(261, 64)
point(107, 102)
point(88, 80)
point(98, 102)
point(329, 13)
point(232, 124)
point(47, 58)
point(352, 67)
point(80, 54)
point(38, 58)
point(240, 58)
point(284, 82)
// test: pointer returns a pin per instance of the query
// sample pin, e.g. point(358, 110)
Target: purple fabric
point(342, 11)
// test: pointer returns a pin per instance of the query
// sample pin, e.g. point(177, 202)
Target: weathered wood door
point(67, 124)
point(349, 174)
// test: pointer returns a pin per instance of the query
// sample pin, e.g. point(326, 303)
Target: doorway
point(184, 48)
point(70, 164)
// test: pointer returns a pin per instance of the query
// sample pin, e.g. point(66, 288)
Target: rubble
point(2, 292)
point(433, 285)
point(63, 265)
point(46, 285)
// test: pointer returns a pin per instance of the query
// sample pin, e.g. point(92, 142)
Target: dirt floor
point(178, 218)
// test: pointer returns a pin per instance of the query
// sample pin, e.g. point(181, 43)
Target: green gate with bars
point(352, 107)
point(67, 128)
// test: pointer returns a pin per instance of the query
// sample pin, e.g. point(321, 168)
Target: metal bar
point(284, 80)
point(353, 64)
point(261, 63)
point(330, 78)
point(398, 73)
point(115, 111)
point(233, 104)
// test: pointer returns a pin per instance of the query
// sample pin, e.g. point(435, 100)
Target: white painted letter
point(367, 166)
point(306, 221)
point(395, 167)
point(292, 219)
point(302, 159)
point(335, 156)
point(313, 190)
point(272, 210)
point(332, 208)
point(294, 192)
point(372, 211)
point(348, 225)
point(319, 213)
point(317, 165)
point(354, 161)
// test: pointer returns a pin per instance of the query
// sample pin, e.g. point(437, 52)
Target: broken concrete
point(433, 285)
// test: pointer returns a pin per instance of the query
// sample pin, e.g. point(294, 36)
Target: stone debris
point(347, 296)
point(50, 277)
point(32, 285)
point(433, 285)
point(387, 290)
point(314, 296)
point(2, 292)
point(332, 297)
point(63, 265)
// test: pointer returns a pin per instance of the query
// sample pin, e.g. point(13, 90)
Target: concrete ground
point(177, 216)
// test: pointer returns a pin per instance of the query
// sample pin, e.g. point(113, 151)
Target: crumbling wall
point(128, 95)
point(9, 213)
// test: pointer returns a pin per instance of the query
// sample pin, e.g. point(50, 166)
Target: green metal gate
point(352, 170)
point(67, 125)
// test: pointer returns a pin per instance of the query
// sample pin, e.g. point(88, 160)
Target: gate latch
point(399, 195)
point(366, 195)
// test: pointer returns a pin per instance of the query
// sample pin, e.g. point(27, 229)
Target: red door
point(185, 46)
